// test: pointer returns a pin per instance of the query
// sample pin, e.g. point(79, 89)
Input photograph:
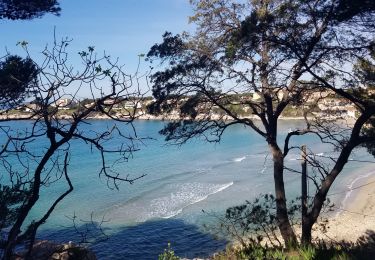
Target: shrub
point(168, 254)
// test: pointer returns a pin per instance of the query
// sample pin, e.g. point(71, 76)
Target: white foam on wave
point(239, 159)
point(350, 189)
point(167, 202)
point(188, 194)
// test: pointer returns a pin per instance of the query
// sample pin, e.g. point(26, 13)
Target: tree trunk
point(285, 227)
point(24, 211)
point(306, 231)
point(321, 195)
point(341, 161)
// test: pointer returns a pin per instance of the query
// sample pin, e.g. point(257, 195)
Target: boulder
point(47, 250)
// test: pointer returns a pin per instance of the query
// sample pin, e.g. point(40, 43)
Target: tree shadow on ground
point(363, 248)
point(146, 240)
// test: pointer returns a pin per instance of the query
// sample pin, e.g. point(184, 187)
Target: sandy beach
point(357, 215)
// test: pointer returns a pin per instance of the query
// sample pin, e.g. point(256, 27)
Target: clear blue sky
point(123, 28)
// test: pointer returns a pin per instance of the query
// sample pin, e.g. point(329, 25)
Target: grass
point(320, 251)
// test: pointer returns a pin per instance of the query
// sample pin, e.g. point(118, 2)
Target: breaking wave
point(167, 203)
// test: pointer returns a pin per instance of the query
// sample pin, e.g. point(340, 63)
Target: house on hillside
point(64, 103)
point(279, 93)
point(314, 95)
point(30, 107)
point(133, 104)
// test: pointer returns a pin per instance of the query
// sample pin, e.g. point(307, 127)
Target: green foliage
point(347, 9)
point(83, 53)
point(254, 252)
point(172, 45)
point(98, 69)
point(267, 47)
point(365, 70)
point(189, 108)
point(254, 224)
point(25, 10)
point(11, 198)
point(257, 219)
point(321, 251)
point(292, 111)
point(17, 79)
point(23, 44)
point(369, 132)
point(307, 252)
point(168, 254)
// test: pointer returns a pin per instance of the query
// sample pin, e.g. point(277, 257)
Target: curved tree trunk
point(321, 196)
point(24, 211)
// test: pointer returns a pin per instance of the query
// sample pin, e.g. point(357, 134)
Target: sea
point(183, 194)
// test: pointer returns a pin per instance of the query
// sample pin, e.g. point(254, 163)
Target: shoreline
point(149, 117)
point(355, 216)
point(140, 117)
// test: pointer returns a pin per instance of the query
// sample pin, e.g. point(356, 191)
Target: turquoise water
point(166, 205)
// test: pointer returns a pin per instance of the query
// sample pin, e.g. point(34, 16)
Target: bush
point(321, 251)
point(168, 254)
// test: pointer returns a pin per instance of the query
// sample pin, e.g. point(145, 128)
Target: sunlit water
point(166, 205)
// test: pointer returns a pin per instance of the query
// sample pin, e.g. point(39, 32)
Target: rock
point(47, 250)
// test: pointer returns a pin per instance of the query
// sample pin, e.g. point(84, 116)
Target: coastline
point(356, 216)
point(140, 117)
point(149, 117)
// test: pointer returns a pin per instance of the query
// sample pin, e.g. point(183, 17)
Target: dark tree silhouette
point(30, 9)
point(280, 51)
point(17, 77)
point(16, 74)
point(365, 69)
point(29, 170)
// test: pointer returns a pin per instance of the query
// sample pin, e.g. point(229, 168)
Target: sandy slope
point(358, 216)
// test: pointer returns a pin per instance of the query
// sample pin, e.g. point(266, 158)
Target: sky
point(122, 28)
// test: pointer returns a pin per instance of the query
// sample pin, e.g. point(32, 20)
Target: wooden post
point(304, 194)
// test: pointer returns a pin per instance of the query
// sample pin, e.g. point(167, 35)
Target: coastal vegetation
point(340, 250)
point(337, 251)
point(278, 50)
point(26, 10)
point(26, 170)
point(40, 168)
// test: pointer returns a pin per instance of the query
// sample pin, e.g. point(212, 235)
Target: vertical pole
point(304, 193)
